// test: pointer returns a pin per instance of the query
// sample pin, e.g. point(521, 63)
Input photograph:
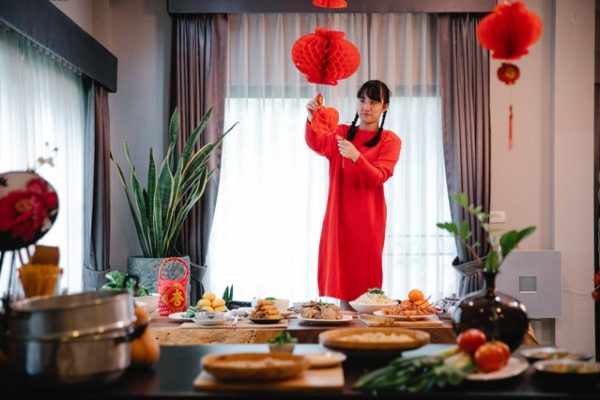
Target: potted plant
point(160, 208)
point(283, 342)
point(499, 315)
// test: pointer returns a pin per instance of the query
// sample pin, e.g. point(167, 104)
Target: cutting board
point(320, 379)
point(242, 324)
point(373, 320)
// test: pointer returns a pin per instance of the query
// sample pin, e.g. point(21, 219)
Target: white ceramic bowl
point(369, 308)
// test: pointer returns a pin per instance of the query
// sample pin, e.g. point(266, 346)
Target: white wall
point(546, 180)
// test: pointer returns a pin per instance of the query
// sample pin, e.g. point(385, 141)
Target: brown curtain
point(200, 65)
point(97, 245)
point(466, 130)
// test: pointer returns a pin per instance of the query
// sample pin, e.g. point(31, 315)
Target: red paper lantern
point(325, 120)
point(508, 73)
point(325, 56)
point(509, 31)
point(330, 3)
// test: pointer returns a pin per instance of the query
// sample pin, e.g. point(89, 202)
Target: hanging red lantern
point(507, 33)
point(325, 56)
point(324, 119)
point(330, 3)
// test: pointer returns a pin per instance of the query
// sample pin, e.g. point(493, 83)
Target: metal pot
point(63, 340)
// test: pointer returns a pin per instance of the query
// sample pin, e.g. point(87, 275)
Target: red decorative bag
point(172, 286)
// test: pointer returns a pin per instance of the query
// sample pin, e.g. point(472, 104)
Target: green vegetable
point(283, 338)
point(228, 294)
point(191, 312)
point(115, 282)
point(270, 298)
point(375, 291)
point(419, 374)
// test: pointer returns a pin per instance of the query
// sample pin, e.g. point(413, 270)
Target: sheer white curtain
point(273, 189)
point(42, 106)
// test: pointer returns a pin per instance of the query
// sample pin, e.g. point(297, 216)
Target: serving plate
point(264, 321)
point(254, 366)
point(319, 321)
point(533, 354)
point(374, 339)
point(325, 360)
point(404, 317)
point(369, 308)
point(515, 366)
point(180, 316)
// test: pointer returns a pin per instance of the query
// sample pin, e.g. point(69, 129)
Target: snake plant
point(160, 209)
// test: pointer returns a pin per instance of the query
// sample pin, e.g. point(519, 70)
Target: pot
point(70, 339)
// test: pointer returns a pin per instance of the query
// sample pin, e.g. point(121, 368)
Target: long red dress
point(351, 246)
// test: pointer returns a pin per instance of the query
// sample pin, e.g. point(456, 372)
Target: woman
point(353, 233)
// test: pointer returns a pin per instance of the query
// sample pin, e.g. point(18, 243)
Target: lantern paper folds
point(325, 120)
point(325, 56)
point(509, 31)
point(330, 3)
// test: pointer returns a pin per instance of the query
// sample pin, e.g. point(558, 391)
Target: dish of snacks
point(319, 310)
point(254, 366)
point(265, 312)
point(415, 307)
point(374, 338)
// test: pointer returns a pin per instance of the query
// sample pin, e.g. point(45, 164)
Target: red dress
point(351, 246)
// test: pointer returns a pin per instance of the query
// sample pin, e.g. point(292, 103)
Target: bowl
point(567, 373)
point(282, 347)
point(534, 354)
point(369, 308)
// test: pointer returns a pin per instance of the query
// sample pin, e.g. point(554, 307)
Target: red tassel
point(510, 127)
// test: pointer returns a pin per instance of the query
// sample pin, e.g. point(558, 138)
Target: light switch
point(497, 217)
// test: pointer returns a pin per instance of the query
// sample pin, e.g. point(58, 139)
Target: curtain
point(201, 57)
point(97, 244)
point(273, 189)
point(43, 105)
point(466, 129)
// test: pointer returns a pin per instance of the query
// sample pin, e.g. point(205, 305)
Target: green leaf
point(511, 239)
point(465, 232)
point(449, 226)
point(461, 199)
point(492, 262)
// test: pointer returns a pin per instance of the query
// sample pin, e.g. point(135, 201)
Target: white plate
point(316, 321)
point(179, 316)
point(210, 322)
point(369, 308)
point(404, 317)
point(515, 366)
point(325, 360)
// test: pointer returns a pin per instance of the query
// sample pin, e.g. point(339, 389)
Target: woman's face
point(370, 110)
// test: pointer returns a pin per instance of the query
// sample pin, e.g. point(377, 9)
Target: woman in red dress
point(353, 233)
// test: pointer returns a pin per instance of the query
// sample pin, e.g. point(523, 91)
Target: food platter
point(325, 360)
point(533, 354)
point(254, 366)
point(516, 366)
point(404, 317)
point(180, 316)
point(319, 321)
point(374, 339)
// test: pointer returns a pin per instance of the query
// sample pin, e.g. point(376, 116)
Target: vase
point(147, 270)
point(498, 315)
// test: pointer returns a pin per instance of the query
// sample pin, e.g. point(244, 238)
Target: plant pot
point(498, 315)
point(147, 270)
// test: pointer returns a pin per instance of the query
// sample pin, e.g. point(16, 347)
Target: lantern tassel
point(510, 127)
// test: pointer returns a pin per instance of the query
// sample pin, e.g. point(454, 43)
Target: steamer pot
point(70, 339)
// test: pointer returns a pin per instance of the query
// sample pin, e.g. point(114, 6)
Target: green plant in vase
point(173, 187)
point(500, 316)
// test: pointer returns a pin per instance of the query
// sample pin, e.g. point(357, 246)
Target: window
point(42, 106)
point(273, 188)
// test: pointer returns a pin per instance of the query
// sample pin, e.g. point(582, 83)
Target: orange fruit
point(416, 295)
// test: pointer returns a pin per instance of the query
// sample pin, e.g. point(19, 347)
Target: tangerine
point(416, 295)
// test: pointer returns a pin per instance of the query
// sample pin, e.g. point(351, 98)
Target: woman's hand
point(312, 106)
point(347, 149)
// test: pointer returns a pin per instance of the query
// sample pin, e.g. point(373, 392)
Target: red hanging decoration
point(507, 33)
point(330, 3)
point(325, 56)
point(324, 119)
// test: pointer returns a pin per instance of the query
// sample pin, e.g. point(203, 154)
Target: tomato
point(492, 356)
point(470, 340)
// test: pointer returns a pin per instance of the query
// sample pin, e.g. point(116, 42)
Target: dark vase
point(498, 315)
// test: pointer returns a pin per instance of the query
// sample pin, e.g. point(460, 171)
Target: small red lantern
point(508, 32)
point(330, 3)
point(325, 120)
point(325, 56)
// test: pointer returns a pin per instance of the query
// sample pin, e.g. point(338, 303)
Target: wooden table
point(170, 332)
point(174, 375)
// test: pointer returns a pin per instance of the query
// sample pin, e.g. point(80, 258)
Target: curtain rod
point(354, 6)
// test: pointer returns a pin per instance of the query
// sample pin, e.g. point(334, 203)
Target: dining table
point(179, 367)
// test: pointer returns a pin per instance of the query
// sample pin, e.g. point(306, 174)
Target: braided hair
point(377, 91)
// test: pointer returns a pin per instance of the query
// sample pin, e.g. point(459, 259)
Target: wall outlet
point(497, 217)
